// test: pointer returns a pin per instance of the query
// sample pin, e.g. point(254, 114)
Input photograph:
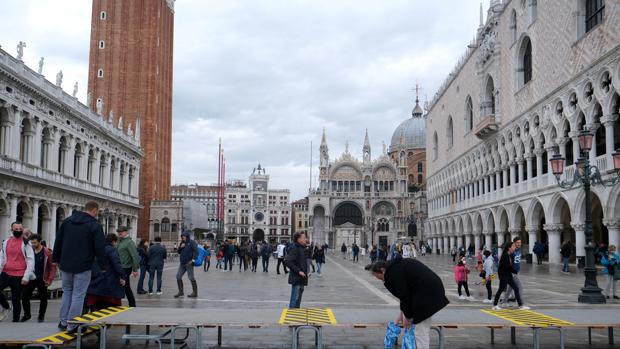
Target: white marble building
point(56, 155)
point(257, 212)
point(363, 201)
point(537, 73)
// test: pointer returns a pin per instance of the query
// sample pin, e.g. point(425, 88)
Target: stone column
point(467, 239)
point(574, 135)
point(580, 239)
point(452, 242)
point(435, 246)
point(497, 174)
point(15, 133)
point(34, 223)
point(51, 233)
point(553, 231)
point(95, 168)
point(593, 154)
point(5, 137)
point(446, 248)
point(539, 161)
point(500, 242)
point(514, 233)
point(520, 169)
point(69, 156)
point(488, 241)
point(532, 233)
point(477, 242)
point(529, 158)
point(505, 175)
point(608, 122)
point(13, 214)
point(513, 170)
point(134, 227)
point(35, 142)
point(614, 232)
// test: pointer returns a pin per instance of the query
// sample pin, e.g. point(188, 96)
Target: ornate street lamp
point(586, 176)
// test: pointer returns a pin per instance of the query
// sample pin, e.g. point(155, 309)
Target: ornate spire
point(323, 138)
point(366, 141)
point(481, 16)
point(417, 110)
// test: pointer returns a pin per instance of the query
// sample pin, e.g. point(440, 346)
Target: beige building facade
point(537, 73)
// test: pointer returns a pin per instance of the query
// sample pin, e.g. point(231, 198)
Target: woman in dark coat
point(420, 291)
point(319, 258)
point(504, 272)
point(106, 288)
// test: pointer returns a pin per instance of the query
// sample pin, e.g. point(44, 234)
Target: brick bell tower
point(130, 76)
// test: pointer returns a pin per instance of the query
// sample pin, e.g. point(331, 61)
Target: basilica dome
point(412, 130)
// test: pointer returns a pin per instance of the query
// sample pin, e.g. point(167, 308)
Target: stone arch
point(24, 213)
point(524, 61)
point(43, 226)
point(5, 212)
point(348, 211)
point(489, 96)
point(535, 212)
point(600, 232)
point(26, 140)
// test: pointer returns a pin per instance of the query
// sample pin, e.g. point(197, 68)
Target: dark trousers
point(539, 258)
point(503, 283)
point(489, 290)
point(143, 270)
point(243, 263)
point(128, 292)
point(15, 284)
point(356, 257)
point(281, 261)
point(266, 264)
point(461, 285)
point(39, 285)
point(206, 264)
point(152, 272)
point(254, 263)
point(228, 261)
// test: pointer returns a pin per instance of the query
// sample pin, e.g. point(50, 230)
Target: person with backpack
point(461, 270)
point(144, 264)
point(17, 265)
point(356, 252)
point(156, 255)
point(44, 271)
point(188, 252)
point(265, 252)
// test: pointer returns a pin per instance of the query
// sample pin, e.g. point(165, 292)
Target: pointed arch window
point(435, 147)
point(595, 11)
point(469, 114)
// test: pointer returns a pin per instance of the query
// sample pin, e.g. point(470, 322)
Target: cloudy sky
point(267, 76)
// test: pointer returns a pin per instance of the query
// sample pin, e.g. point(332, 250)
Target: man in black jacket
point(296, 262)
point(78, 241)
point(420, 291)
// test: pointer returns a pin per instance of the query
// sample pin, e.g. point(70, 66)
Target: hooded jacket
point(419, 289)
point(188, 251)
point(107, 283)
point(79, 239)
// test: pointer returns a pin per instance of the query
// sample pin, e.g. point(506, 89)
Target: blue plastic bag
point(409, 338)
point(391, 335)
point(201, 256)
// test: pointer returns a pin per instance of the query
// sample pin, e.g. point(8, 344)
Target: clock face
point(259, 216)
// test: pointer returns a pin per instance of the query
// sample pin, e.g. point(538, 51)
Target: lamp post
point(586, 176)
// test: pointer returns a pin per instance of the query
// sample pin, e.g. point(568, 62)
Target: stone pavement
point(345, 284)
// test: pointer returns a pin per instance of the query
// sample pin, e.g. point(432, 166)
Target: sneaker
point(159, 293)
point(150, 293)
point(25, 318)
point(497, 307)
point(487, 301)
point(461, 297)
point(61, 326)
point(470, 298)
point(524, 307)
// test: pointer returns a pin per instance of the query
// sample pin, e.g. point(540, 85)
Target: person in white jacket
point(16, 270)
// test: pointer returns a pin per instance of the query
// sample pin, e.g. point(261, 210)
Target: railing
point(486, 126)
point(38, 173)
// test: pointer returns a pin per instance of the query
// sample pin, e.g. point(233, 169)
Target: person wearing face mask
point(17, 268)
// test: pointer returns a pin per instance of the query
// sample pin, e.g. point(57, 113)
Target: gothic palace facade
point(56, 154)
point(536, 74)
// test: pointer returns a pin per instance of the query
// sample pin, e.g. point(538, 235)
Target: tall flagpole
point(310, 184)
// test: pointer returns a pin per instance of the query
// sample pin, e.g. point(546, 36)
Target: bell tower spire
point(324, 151)
point(366, 149)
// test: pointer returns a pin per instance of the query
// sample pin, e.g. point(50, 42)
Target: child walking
point(460, 276)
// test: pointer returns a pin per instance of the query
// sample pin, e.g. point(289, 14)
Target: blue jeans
point(143, 270)
point(296, 292)
point(565, 262)
point(318, 268)
point(74, 287)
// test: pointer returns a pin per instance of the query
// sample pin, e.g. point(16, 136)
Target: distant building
point(300, 217)
point(200, 207)
point(166, 220)
point(257, 212)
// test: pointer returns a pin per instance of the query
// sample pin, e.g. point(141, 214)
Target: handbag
point(483, 274)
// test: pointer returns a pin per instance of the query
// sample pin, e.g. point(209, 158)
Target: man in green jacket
point(130, 261)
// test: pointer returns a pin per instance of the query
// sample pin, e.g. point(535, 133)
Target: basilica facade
point(536, 75)
point(56, 154)
point(362, 201)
